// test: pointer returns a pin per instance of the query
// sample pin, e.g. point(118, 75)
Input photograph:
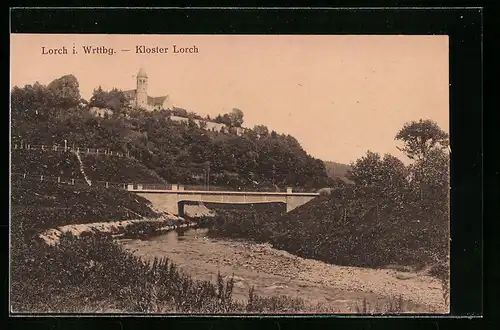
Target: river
point(272, 272)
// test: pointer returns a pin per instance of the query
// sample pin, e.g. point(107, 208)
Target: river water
point(274, 272)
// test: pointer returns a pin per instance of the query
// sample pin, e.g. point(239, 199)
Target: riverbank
point(118, 229)
point(272, 272)
point(343, 231)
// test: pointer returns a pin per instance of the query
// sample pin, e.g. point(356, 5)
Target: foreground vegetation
point(95, 274)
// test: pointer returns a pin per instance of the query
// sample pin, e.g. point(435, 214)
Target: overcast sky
point(338, 95)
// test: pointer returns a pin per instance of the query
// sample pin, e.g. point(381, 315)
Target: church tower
point(142, 89)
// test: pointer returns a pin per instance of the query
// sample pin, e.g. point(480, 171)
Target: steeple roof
point(142, 73)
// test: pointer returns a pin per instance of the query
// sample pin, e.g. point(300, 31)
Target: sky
point(339, 95)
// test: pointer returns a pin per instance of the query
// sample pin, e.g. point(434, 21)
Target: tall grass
point(97, 271)
point(395, 305)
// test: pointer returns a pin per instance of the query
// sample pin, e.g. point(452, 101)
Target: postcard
point(229, 174)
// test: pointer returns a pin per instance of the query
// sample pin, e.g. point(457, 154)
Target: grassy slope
point(118, 169)
point(36, 206)
point(46, 163)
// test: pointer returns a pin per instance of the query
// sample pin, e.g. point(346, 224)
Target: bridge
point(172, 200)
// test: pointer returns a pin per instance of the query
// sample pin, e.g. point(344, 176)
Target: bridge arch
point(183, 202)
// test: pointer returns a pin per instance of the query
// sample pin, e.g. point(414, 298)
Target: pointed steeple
point(142, 73)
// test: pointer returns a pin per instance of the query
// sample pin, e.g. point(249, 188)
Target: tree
point(191, 123)
point(29, 101)
point(382, 181)
point(236, 117)
point(179, 112)
point(261, 130)
point(202, 124)
point(98, 98)
point(430, 179)
point(116, 100)
point(421, 137)
point(226, 120)
point(65, 92)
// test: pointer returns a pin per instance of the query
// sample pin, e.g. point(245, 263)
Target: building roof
point(156, 101)
point(129, 93)
point(142, 73)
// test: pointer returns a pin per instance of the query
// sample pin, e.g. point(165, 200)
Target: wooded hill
point(178, 152)
point(336, 170)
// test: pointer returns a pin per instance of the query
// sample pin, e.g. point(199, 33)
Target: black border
point(464, 27)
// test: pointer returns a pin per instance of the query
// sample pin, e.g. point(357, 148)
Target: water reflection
point(180, 234)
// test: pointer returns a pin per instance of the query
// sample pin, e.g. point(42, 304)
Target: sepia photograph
point(229, 174)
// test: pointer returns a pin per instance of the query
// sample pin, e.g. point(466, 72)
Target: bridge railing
point(228, 188)
point(157, 186)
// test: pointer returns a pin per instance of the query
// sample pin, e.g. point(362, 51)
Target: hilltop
point(336, 170)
